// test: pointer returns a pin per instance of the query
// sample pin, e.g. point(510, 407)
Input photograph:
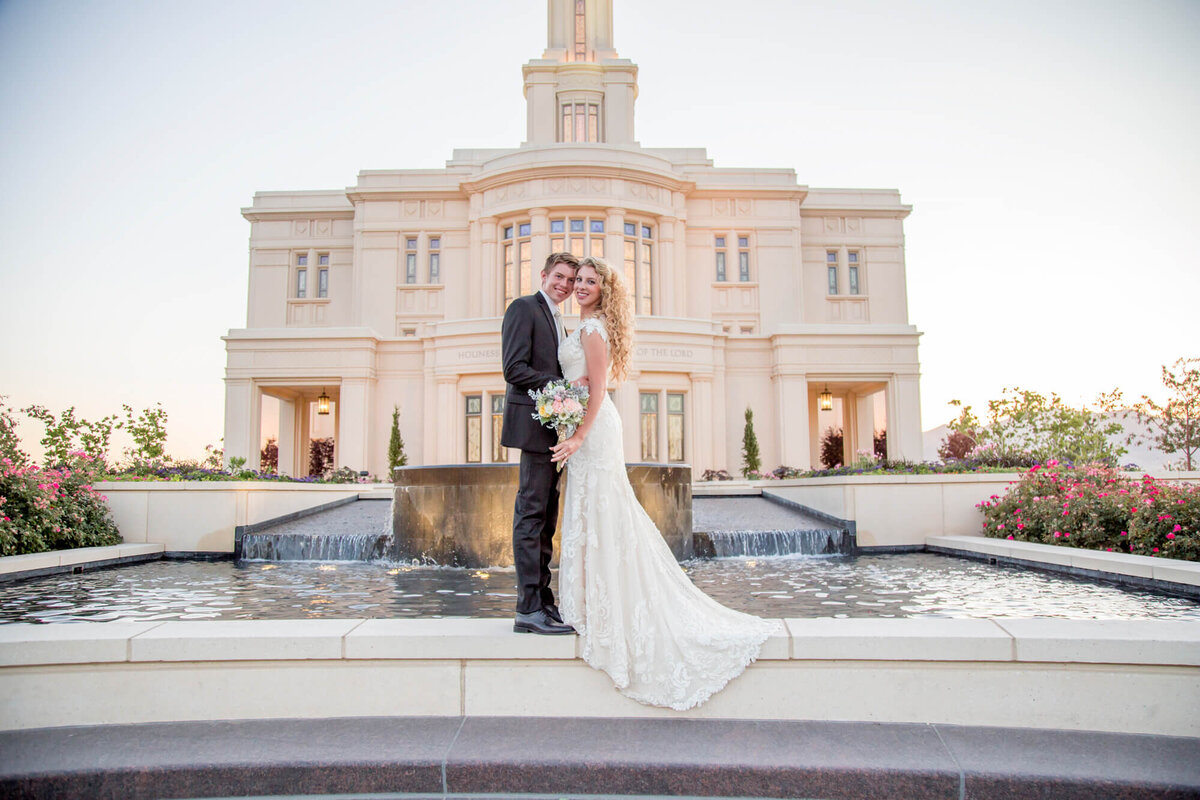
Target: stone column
point(865, 418)
point(699, 425)
point(243, 421)
point(448, 416)
point(539, 243)
point(904, 418)
point(490, 291)
point(304, 412)
point(354, 424)
point(664, 270)
point(287, 437)
point(614, 239)
point(791, 392)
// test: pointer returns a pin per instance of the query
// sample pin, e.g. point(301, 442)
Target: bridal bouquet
point(561, 406)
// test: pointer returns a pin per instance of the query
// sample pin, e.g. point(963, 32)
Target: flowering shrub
point(52, 509)
point(1096, 507)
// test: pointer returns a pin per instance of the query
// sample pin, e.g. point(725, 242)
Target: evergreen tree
point(751, 461)
point(396, 456)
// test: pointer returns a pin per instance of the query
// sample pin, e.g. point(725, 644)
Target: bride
point(661, 640)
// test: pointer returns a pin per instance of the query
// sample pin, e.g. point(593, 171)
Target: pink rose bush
point(53, 509)
point(1098, 508)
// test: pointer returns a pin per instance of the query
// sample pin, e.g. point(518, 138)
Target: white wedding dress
point(641, 619)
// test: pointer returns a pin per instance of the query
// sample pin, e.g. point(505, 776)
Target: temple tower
point(579, 91)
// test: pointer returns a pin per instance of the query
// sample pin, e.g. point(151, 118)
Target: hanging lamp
point(825, 399)
point(323, 402)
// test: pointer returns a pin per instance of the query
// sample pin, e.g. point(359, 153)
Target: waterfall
point(315, 547)
point(780, 543)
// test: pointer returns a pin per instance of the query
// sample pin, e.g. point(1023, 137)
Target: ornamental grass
point(1098, 508)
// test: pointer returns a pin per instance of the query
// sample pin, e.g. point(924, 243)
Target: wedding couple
point(641, 620)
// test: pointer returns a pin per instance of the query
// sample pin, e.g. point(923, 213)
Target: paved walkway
point(444, 757)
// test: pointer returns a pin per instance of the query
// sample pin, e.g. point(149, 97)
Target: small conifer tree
point(751, 461)
point(396, 456)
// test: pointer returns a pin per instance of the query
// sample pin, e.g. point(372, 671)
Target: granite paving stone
point(1025, 763)
point(701, 758)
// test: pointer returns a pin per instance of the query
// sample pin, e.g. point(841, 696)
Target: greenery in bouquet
point(560, 405)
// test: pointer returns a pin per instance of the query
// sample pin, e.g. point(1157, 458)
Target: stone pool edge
point(1119, 676)
point(1159, 574)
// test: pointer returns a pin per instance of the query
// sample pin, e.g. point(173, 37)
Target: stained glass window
point(674, 427)
point(499, 451)
point(474, 428)
point(649, 414)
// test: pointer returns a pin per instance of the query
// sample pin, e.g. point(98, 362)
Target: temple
point(751, 291)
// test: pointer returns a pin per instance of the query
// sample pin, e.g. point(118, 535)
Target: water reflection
point(908, 585)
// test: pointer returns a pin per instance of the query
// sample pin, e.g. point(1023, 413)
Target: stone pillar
point(904, 418)
point(865, 418)
point(539, 243)
point(490, 292)
point(243, 421)
point(304, 412)
point(287, 437)
point(354, 424)
point(448, 416)
point(698, 425)
point(665, 303)
point(792, 401)
point(614, 240)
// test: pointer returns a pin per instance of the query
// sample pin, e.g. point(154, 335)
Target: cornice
point(262, 214)
point(519, 174)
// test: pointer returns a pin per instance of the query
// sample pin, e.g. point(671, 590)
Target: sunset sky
point(1049, 151)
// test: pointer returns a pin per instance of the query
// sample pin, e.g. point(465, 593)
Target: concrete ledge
point(467, 757)
point(1162, 574)
point(1121, 676)
point(32, 565)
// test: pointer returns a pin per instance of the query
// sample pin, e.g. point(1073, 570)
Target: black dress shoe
point(552, 612)
point(539, 622)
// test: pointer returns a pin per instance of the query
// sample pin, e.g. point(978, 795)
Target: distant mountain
point(1144, 456)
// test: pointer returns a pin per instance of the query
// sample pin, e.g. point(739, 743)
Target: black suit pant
point(534, 519)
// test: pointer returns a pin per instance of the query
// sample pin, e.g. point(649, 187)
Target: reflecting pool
point(907, 585)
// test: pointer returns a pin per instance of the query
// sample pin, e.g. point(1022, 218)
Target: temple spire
point(580, 90)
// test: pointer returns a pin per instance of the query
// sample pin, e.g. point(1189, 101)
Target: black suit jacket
point(529, 349)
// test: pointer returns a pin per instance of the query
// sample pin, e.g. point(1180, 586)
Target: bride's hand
point(564, 450)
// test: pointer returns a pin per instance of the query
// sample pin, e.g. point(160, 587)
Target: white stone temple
point(751, 290)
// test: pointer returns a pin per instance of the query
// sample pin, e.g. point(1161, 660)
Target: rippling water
point(908, 585)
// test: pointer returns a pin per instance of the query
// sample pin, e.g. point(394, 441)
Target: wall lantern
point(323, 402)
point(825, 399)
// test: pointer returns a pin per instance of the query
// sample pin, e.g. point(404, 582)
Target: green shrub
point(1098, 508)
point(53, 509)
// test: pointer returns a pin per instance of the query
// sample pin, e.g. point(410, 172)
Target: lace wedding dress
point(661, 640)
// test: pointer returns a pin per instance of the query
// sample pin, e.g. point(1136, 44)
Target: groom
point(529, 340)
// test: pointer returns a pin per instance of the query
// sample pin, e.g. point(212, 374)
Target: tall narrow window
point(301, 276)
point(639, 265)
point(831, 269)
point(580, 30)
point(499, 451)
point(519, 279)
point(743, 258)
point(674, 427)
point(410, 260)
point(323, 275)
point(580, 122)
point(852, 259)
point(435, 259)
point(649, 402)
point(474, 428)
point(720, 243)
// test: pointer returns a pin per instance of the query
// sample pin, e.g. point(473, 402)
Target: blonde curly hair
point(617, 313)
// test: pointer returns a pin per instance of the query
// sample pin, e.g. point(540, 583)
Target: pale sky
point(1049, 151)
